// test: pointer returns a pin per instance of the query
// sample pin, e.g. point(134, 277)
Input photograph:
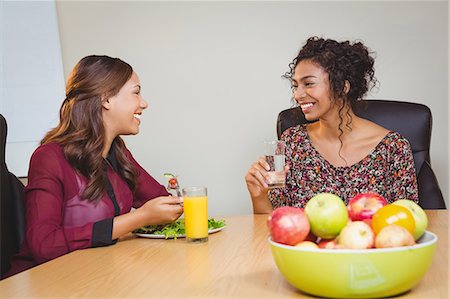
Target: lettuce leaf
point(175, 228)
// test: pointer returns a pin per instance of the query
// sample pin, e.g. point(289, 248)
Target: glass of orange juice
point(195, 202)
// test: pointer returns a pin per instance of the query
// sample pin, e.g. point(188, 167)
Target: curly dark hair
point(343, 61)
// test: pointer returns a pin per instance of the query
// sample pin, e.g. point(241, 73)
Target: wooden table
point(235, 263)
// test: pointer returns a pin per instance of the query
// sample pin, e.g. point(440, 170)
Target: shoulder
point(48, 159)
point(48, 150)
point(396, 140)
point(397, 145)
point(371, 130)
point(298, 132)
point(375, 134)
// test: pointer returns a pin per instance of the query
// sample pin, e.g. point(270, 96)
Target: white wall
point(31, 76)
point(211, 72)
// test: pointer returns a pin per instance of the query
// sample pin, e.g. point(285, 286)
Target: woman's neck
point(107, 146)
point(333, 127)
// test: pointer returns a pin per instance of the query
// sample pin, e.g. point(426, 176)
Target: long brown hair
point(80, 130)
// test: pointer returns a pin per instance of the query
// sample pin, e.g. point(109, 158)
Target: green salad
point(175, 229)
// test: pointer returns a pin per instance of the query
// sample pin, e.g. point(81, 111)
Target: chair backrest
point(12, 218)
point(411, 120)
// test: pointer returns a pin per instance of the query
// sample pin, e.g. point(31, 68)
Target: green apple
point(327, 215)
point(420, 217)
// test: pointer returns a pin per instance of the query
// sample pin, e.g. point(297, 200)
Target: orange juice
point(196, 216)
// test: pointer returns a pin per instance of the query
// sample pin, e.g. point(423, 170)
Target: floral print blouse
point(388, 170)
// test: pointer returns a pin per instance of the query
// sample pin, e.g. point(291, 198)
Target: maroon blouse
point(58, 221)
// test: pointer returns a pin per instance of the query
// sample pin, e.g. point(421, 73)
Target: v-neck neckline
point(310, 143)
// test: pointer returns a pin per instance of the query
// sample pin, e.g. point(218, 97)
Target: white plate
point(153, 236)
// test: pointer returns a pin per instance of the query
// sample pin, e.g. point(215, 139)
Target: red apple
point(357, 235)
point(364, 205)
point(288, 225)
point(393, 236)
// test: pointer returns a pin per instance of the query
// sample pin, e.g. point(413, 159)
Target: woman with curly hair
point(82, 180)
point(339, 153)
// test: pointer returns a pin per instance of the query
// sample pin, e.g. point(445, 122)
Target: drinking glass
point(195, 202)
point(275, 157)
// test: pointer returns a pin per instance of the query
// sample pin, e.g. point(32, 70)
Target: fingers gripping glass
point(275, 157)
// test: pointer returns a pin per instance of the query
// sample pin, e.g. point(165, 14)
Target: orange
point(393, 214)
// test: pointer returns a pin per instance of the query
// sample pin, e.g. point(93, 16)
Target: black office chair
point(12, 208)
point(411, 120)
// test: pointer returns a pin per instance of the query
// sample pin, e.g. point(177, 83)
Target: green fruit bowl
point(355, 273)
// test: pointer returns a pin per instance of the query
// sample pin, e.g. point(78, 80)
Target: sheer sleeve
point(147, 187)
point(402, 173)
point(46, 236)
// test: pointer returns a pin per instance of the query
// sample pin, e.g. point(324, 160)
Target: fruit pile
point(368, 221)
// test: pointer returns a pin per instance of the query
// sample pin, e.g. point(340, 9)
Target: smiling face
point(311, 90)
point(122, 112)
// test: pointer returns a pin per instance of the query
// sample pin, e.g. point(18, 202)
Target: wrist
point(141, 217)
point(261, 204)
point(261, 196)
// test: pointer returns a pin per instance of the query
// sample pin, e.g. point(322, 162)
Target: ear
point(106, 104)
point(346, 86)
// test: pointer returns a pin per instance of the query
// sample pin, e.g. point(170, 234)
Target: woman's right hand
point(256, 178)
point(162, 210)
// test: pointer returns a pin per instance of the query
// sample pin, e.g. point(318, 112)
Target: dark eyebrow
point(307, 77)
point(138, 86)
point(303, 78)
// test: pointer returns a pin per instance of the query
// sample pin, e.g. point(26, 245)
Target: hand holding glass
point(275, 157)
point(195, 201)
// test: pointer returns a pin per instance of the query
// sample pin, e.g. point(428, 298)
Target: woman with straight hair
point(82, 180)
